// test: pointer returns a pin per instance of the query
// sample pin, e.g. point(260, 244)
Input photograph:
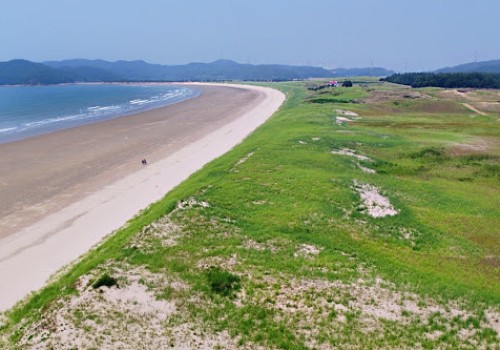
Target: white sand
point(29, 257)
point(348, 113)
point(341, 120)
point(377, 206)
point(351, 153)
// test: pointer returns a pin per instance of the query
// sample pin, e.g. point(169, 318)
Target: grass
point(440, 252)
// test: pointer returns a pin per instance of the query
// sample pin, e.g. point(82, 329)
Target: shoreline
point(27, 257)
point(44, 173)
point(89, 119)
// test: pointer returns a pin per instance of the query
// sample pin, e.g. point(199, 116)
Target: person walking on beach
point(144, 161)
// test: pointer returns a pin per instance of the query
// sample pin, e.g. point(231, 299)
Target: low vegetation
point(367, 221)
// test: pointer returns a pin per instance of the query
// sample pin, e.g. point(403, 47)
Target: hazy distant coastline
point(25, 72)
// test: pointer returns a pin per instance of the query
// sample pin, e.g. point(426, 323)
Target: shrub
point(429, 152)
point(105, 280)
point(222, 282)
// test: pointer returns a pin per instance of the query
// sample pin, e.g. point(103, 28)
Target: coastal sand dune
point(63, 192)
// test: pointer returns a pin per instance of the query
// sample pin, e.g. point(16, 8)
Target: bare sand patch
point(251, 244)
point(346, 113)
point(342, 120)
point(323, 309)
point(365, 169)
point(272, 245)
point(307, 251)
point(351, 153)
point(478, 146)
point(162, 233)
point(493, 319)
point(217, 261)
point(188, 336)
point(127, 316)
point(192, 203)
point(342, 116)
point(375, 204)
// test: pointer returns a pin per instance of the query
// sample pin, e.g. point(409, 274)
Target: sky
point(403, 35)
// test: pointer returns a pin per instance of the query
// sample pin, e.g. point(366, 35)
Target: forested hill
point(79, 70)
point(220, 70)
point(25, 72)
point(447, 80)
point(483, 67)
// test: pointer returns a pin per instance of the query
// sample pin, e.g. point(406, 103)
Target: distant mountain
point(90, 74)
point(29, 73)
point(216, 71)
point(123, 70)
point(481, 67)
point(80, 70)
point(361, 72)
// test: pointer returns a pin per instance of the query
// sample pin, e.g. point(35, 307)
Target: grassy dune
point(272, 246)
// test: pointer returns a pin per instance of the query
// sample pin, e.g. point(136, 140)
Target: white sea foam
point(98, 109)
point(138, 102)
point(52, 120)
point(8, 129)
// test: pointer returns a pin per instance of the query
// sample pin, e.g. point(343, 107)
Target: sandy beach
point(63, 192)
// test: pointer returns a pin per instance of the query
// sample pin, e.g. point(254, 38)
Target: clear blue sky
point(397, 34)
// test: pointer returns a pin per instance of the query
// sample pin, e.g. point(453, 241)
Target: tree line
point(447, 80)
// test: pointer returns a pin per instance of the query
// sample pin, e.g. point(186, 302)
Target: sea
point(27, 111)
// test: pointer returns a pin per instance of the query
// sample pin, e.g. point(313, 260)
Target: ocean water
point(34, 110)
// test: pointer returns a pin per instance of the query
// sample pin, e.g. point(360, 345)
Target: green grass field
point(272, 246)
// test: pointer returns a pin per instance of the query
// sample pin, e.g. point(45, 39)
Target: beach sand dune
point(63, 192)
